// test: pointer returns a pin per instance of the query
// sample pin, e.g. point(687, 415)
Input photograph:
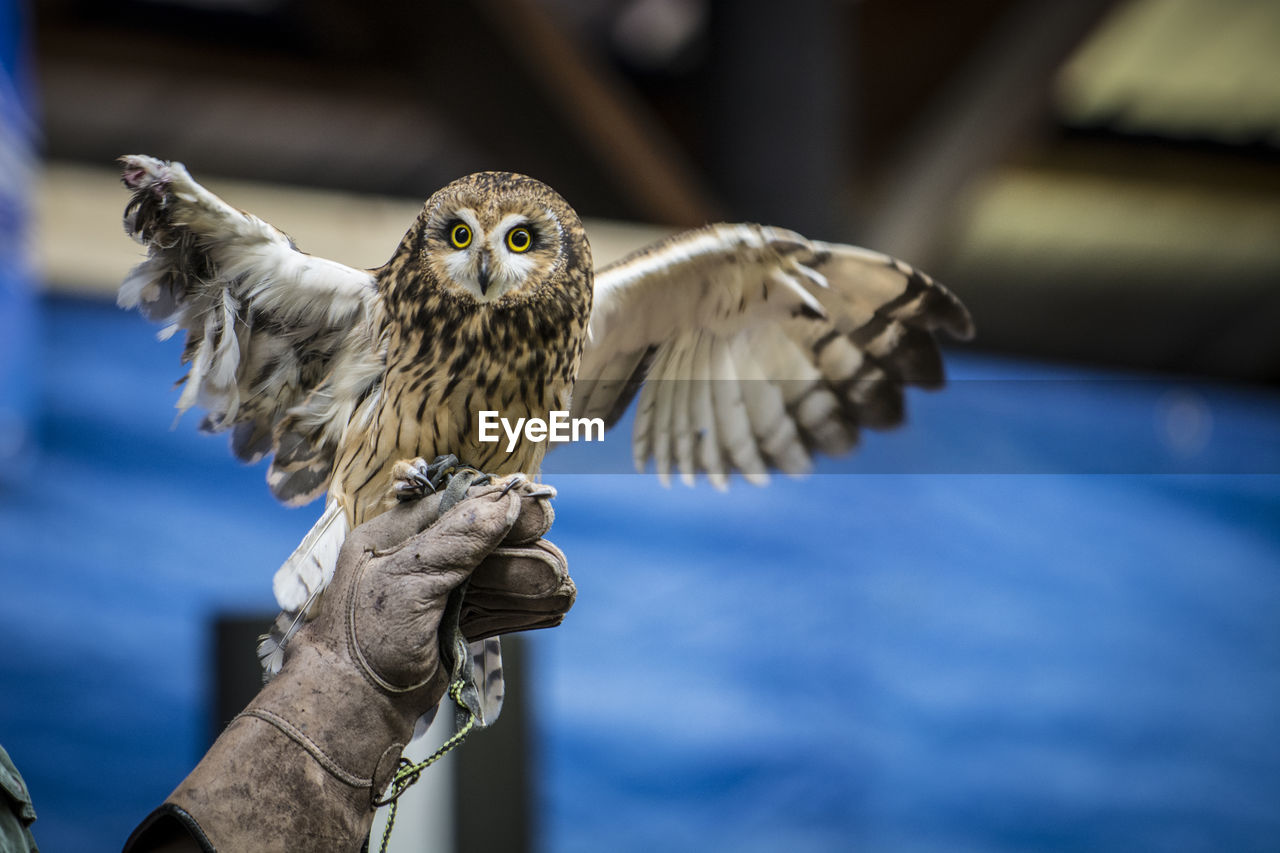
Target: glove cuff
point(316, 747)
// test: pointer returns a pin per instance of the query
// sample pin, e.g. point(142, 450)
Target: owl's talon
point(140, 170)
point(513, 481)
point(409, 480)
point(412, 479)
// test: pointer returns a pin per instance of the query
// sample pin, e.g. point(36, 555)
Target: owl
point(751, 348)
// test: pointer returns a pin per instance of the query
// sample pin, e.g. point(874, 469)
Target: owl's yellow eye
point(519, 239)
point(460, 236)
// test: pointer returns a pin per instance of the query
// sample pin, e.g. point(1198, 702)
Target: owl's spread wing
point(281, 346)
point(752, 347)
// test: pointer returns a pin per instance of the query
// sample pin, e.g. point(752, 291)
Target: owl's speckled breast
point(431, 398)
point(471, 327)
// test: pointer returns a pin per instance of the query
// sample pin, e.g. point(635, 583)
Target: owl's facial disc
point(489, 263)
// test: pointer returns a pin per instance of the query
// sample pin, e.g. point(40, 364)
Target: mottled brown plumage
point(751, 348)
point(341, 374)
point(451, 355)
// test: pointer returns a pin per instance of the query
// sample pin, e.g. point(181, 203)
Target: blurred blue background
point(1043, 615)
point(922, 661)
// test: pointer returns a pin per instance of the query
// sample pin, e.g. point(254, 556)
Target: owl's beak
point(482, 278)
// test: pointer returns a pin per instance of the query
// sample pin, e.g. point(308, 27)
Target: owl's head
point(494, 235)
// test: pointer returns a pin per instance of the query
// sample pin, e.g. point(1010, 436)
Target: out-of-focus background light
point(1045, 614)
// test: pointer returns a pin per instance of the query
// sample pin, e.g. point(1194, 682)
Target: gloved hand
point(301, 766)
point(522, 585)
point(519, 585)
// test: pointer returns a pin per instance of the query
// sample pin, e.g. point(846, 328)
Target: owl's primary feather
point(751, 347)
point(760, 347)
point(281, 346)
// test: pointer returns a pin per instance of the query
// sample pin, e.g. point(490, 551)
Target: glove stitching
point(532, 553)
point(300, 737)
point(353, 640)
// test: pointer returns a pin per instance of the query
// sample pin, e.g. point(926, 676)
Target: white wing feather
point(299, 582)
point(759, 348)
point(282, 346)
point(310, 567)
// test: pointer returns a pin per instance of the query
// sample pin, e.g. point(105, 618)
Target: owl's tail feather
point(271, 645)
point(486, 659)
point(310, 567)
point(299, 582)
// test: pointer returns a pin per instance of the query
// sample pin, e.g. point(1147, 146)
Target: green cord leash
point(460, 669)
point(408, 772)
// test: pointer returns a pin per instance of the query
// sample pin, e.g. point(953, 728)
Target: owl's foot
point(535, 491)
point(139, 170)
point(415, 478)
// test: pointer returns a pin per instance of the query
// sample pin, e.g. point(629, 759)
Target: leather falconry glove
point(301, 766)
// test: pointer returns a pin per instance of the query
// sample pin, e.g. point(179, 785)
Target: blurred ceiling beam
point(1123, 265)
point(1144, 232)
point(352, 97)
point(1195, 71)
point(79, 247)
point(991, 103)
point(778, 115)
point(614, 124)
point(263, 126)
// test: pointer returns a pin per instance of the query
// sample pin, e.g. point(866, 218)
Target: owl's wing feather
point(282, 346)
point(300, 581)
point(752, 348)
